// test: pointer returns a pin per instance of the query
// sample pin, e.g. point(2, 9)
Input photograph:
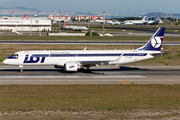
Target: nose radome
point(6, 61)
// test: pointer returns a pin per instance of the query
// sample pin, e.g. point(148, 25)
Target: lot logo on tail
point(156, 42)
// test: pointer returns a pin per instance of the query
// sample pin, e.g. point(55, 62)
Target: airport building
point(60, 18)
point(85, 17)
point(24, 24)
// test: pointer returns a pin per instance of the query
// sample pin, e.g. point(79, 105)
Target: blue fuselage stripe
point(97, 55)
point(10, 57)
point(82, 55)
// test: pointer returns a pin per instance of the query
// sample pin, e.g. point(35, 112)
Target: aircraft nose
point(6, 61)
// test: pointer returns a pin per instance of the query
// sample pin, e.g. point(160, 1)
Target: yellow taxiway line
point(126, 82)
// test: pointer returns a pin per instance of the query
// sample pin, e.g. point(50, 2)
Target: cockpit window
point(14, 55)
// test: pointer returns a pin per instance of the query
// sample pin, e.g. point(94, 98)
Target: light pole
point(22, 23)
point(88, 21)
point(59, 21)
point(31, 24)
point(103, 21)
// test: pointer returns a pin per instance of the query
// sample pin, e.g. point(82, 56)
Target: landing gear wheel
point(88, 70)
point(21, 70)
point(81, 70)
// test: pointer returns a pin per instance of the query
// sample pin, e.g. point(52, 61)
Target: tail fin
point(155, 42)
point(26, 16)
point(147, 18)
point(106, 20)
point(64, 23)
point(51, 17)
point(144, 18)
point(94, 18)
point(157, 20)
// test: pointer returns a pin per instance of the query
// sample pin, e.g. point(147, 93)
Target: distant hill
point(22, 8)
point(2, 8)
point(162, 14)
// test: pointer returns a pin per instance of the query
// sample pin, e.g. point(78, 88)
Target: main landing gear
point(88, 70)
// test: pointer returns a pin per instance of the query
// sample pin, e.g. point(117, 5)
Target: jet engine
point(72, 66)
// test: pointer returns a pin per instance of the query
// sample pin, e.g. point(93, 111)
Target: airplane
point(99, 21)
point(136, 22)
point(114, 22)
point(108, 21)
point(74, 27)
point(107, 34)
point(153, 22)
point(14, 31)
point(75, 60)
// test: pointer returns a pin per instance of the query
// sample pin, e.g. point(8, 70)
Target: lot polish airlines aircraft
point(74, 60)
point(74, 27)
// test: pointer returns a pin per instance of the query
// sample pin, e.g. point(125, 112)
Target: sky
point(96, 6)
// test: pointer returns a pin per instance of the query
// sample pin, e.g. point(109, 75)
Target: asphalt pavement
point(48, 75)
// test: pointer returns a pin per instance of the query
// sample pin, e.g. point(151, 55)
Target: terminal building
point(24, 24)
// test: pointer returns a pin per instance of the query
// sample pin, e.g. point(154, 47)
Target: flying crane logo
point(156, 42)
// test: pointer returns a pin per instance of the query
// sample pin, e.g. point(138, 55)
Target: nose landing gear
point(21, 68)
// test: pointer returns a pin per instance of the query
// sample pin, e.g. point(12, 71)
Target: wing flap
point(93, 63)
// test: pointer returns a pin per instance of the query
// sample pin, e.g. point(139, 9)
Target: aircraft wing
point(93, 63)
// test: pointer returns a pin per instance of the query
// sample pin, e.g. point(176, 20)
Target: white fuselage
point(76, 27)
point(115, 23)
point(130, 22)
point(62, 57)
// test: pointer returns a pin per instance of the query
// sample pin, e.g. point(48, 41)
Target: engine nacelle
point(72, 66)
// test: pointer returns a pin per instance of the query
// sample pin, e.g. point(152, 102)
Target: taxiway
point(47, 75)
point(83, 42)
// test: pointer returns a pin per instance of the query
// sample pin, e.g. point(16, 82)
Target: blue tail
point(155, 42)
point(157, 20)
point(147, 18)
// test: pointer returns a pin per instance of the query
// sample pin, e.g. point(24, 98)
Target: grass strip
point(85, 38)
point(89, 97)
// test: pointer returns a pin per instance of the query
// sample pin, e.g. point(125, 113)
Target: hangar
point(21, 24)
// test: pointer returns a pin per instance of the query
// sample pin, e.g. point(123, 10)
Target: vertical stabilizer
point(144, 18)
point(64, 23)
point(26, 16)
point(155, 42)
point(94, 17)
